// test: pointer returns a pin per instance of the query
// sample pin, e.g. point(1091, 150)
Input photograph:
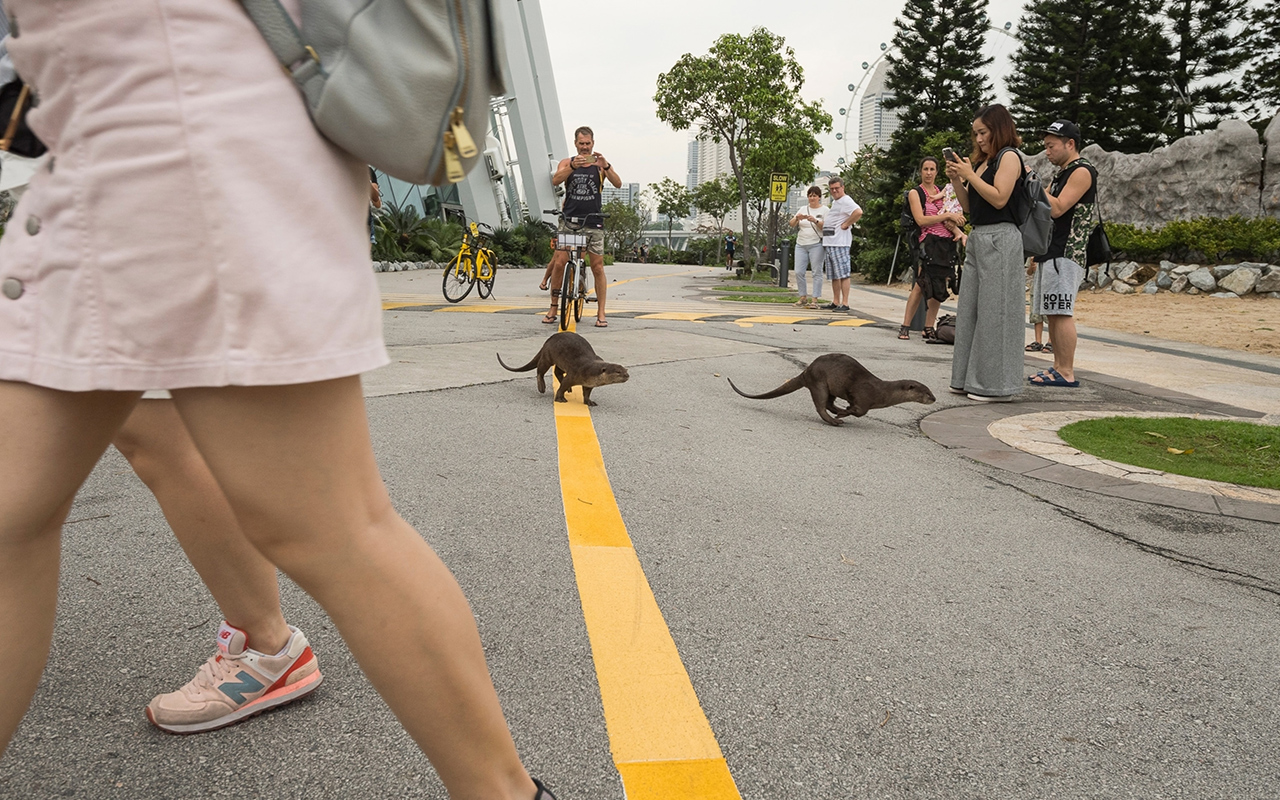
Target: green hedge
point(1207, 240)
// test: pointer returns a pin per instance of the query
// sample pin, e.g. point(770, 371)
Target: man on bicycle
point(583, 176)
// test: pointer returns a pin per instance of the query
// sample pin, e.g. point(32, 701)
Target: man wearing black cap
point(1061, 270)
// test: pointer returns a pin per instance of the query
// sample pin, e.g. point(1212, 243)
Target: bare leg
point(913, 303)
point(601, 283)
point(931, 309)
point(558, 260)
point(242, 582)
point(296, 464)
point(51, 442)
point(1062, 332)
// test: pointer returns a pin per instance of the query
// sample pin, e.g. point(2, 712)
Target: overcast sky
point(607, 57)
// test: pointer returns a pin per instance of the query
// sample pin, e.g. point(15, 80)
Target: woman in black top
point(987, 362)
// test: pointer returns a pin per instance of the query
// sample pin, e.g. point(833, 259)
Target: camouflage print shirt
point(1071, 230)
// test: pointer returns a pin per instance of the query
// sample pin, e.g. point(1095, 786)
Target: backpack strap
point(299, 59)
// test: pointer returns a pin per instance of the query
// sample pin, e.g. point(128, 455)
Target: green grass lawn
point(762, 298)
point(756, 293)
point(754, 287)
point(1233, 452)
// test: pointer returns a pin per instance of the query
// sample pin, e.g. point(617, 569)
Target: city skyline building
point(876, 123)
point(628, 193)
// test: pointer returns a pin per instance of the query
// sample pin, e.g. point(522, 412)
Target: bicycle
point(472, 266)
point(573, 287)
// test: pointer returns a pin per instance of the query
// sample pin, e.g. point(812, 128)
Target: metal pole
point(894, 265)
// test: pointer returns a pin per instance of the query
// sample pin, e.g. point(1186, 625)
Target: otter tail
point(787, 388)
point(525, 368)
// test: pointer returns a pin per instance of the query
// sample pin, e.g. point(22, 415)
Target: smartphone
point(591, 159)
point(949, 154)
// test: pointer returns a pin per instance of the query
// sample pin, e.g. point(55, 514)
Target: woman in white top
point(808, 225)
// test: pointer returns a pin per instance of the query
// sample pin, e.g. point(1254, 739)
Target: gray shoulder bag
point(402, 84)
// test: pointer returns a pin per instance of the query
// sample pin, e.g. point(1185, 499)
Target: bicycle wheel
point(581, 295)
point(459, 277)
point(566, 293)
point(486, 271)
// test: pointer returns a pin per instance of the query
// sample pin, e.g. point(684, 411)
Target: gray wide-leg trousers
point(988, 357)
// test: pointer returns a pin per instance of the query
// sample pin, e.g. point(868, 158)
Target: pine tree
point(1104, 64)
point(937, 81)
point(1262, 48)
point(1206, 55)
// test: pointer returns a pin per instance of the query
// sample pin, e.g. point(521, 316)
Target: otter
point(576, 364)
point(837, 376)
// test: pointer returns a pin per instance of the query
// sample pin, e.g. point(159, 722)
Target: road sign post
point(779, 183)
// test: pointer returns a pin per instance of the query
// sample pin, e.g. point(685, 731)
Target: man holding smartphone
point(583, 178)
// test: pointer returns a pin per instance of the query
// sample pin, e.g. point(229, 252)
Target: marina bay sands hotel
point(525, 140)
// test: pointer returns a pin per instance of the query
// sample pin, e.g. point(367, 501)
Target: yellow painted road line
point(655, 277)
point(386, 306)
point(773, 319)
point(660, 738)
point(850, 323)
point(679, 316)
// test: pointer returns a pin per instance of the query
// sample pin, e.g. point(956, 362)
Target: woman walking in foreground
point(193, 232)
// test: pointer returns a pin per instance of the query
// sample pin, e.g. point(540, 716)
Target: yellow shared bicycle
point(472, 266)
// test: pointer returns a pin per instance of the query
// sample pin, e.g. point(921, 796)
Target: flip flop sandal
point(543, 286)
point(549, 319)
point(1051, 377)
point(1034, 347)
point(601, 324)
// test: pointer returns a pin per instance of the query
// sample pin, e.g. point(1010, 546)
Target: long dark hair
point(1004, 133)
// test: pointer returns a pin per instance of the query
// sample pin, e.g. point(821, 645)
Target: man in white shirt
point(836, 239)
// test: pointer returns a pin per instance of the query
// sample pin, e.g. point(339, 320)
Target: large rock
point(1104, 279)
point(1241, 280)
point(1164, 280)
point(1203, 280)
point(1221, 271)
point(1226, 295)
point(1134, 273)
point(1184, 269)
point(1150, 288)
point(1179, 284)
point(1271, 191)
point(1269, 281)
point(1120, 287)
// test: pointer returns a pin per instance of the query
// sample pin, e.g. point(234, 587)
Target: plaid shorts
point(837, 261)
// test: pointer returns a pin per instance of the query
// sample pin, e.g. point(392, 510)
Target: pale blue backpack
point(402, 84)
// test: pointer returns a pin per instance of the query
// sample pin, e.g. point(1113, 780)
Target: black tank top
point(582, 195)
point(982, 212)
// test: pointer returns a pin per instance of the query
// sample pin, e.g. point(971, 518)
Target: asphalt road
point(862, 613)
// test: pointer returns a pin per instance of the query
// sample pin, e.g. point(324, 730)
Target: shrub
point(1207, 239)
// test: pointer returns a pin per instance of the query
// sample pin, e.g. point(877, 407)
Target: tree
point(1262, 48)
point(715, 198)
point(1206, 57)
point(672, 201)
point(744, 90)
point(1103, 64)
point(790, 150)
point(937, 80)
point(625, 227)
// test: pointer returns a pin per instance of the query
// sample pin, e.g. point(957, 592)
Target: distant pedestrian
point(987, 362)
point(730, 244)
point(644, 254)
point(836, 239)
point(937, 250)
point(808, 225)
point(1071, 198)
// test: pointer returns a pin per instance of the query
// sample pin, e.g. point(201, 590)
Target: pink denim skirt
point(190, 227)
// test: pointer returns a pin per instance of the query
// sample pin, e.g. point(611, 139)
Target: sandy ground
point(1250, 323)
